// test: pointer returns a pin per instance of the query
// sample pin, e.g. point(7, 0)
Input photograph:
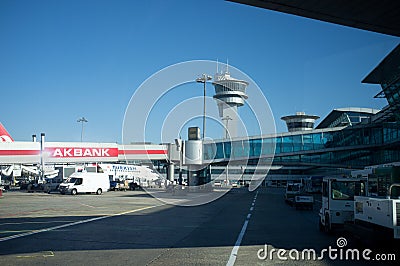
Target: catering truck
point(85, 182)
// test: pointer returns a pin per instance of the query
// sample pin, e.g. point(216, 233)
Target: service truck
point(296, 196)
point(345, 203)
point(379, 213)
point(338, 201)
point(292, 189)
point(84, 182)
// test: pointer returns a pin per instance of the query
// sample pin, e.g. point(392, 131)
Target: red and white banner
point(70, 152)
point(66, 152)
point(81, 152)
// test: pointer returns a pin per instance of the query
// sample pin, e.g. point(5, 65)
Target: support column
point(41, 177)
point(192, 178)
point(171, 172)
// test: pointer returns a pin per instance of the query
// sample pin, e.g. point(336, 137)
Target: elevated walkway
point(347, 147)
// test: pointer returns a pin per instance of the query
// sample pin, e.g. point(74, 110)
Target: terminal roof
point(374, 15)
point(386, 69)
point(335, 114)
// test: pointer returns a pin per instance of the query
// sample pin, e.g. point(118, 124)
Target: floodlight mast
point(203, 79)
point(82, 120)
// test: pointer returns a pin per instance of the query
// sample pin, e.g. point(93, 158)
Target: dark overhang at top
point(381, 16)
point(387, 68)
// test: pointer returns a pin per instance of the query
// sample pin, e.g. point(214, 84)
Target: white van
point(85, 183)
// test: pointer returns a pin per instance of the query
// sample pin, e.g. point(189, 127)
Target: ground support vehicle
point(292, 190)
point(379, 215)
point(119, 185)
point(338, 201)
point(303, 202)
point(35, 186)
point(51, 185)
point(295, 196)
point(83, 182)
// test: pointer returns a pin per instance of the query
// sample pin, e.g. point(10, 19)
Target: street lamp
point(82, 120)
point(203, 79)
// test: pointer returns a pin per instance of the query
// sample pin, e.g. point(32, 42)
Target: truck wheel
point(99, 191)
point(74, 192)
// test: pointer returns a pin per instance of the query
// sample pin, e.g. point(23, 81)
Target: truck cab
point(338, 201)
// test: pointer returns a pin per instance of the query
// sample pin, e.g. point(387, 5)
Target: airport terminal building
point(346, 139)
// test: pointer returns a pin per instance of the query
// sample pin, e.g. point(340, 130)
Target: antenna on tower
point(217, 65)
point(227, 66)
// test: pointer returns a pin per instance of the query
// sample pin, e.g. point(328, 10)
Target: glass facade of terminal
point(349, 138)
point(350, 119)
point(357, 146)
point(392, 94)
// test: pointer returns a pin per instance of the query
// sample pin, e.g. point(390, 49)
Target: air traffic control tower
point(230, 93)
point(300, 121)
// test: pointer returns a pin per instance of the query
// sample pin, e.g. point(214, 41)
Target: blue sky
point(60, 60)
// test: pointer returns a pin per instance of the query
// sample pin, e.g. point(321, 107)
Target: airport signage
point(82, 152)
point(72, 152)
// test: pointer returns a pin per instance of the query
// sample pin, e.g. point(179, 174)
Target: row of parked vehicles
point(82, 182)
point(73, 179)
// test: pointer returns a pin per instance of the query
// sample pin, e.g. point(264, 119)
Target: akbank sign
point(95, 153)
point(82, 152)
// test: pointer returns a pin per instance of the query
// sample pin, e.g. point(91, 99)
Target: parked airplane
point(140, 174)
point(4, 135)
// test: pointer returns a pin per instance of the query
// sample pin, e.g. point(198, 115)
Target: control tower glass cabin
point(230, 93)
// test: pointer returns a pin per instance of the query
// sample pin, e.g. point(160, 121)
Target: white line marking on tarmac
point(251, 209)
point(41, 222)
point(74, 223)
point(235, 250)
point(87, 205)
point(43, 254)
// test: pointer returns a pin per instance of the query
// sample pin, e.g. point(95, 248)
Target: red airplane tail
point(4, 135)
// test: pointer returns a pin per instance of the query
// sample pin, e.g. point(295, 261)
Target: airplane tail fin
point(4, 135)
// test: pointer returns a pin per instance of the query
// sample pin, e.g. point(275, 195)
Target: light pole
point(203, 79)
point(82, 120)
